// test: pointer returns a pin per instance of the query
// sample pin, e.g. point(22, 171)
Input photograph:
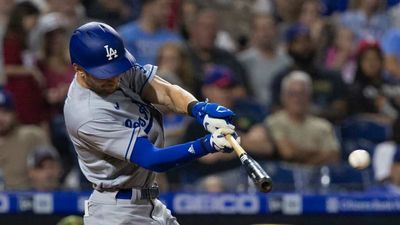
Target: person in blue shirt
point(144, 37)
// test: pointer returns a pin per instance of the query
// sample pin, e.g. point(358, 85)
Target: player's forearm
point(173, 97)
point(148, 156)
point(179, 99)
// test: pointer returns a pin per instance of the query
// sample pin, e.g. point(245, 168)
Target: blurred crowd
point(309, 81)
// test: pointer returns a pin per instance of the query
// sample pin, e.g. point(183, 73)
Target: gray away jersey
point(104, 129)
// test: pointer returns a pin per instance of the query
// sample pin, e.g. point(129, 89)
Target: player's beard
point(103, 87)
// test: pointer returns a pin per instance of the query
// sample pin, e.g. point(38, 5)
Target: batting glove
point(216, 142)
point(211, 115)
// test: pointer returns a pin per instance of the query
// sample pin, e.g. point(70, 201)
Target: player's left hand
point(213, 116)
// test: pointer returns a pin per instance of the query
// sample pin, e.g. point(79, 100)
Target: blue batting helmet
point(99, 50)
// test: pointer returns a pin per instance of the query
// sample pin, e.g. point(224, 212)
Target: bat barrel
point(260, 178)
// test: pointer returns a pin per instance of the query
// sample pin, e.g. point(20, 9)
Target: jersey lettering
point(110, 52)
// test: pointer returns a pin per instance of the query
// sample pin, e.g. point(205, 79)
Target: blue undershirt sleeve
point(146, 155)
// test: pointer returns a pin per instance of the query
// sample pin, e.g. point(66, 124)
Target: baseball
point(359, 159)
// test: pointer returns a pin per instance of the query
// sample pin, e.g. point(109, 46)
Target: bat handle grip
point(235, 145)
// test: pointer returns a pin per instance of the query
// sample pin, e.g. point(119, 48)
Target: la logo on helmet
point(110, 52)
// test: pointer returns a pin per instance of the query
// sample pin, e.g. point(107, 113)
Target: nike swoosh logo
point(220, 109)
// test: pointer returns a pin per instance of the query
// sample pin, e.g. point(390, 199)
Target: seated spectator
point(175, 67)
point(329, 91)
point(263, 60)
point(367, 96)
point(204, 53)
point(16, 143)
point(299, 136)
point(44, 169)
point(311, 16)
point(339, 56)
point(23, 77)
point(218, 86)
point(144, 37)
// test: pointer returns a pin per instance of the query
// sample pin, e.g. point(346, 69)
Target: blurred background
point(309, 80)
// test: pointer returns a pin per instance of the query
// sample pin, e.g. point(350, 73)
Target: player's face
point(102, 86)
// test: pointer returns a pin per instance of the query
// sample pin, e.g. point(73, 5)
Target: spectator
point(340, 55)
point(23, 77)
point(367, 95)
point(391, 48)
point(189, 10)
point(218, 86)
point(287, 13)
point(44, 169)
point(73, 11)
point(58, 73)
point(204, 52)
point(16, 143)
point(5, 9)
point(114, 13)
point(263, 59)
point(145, 37)
point(311, 17)
point(329, 91)
point(299, 136)
point(367, 20)
point(175, 67)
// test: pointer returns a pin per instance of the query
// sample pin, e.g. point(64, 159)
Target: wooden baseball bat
point(260, 178)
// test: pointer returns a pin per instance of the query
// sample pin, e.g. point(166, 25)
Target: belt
point(144, 193)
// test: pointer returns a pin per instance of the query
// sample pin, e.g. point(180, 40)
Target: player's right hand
point(212, 116)
point(219, 142)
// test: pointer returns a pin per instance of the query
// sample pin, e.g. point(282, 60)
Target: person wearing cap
point(329, 91)
point(218, 86)
point(44, 169)
point(117, 132)
point(16, 143)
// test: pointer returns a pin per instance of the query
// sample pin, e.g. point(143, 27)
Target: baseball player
point(118, 133)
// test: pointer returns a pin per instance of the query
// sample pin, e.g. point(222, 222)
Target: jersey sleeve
point(109, 137)
point(138, 77)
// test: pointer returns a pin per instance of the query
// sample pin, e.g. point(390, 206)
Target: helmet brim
point(114, 68)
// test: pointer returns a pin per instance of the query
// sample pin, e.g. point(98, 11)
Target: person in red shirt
point(23, 79)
